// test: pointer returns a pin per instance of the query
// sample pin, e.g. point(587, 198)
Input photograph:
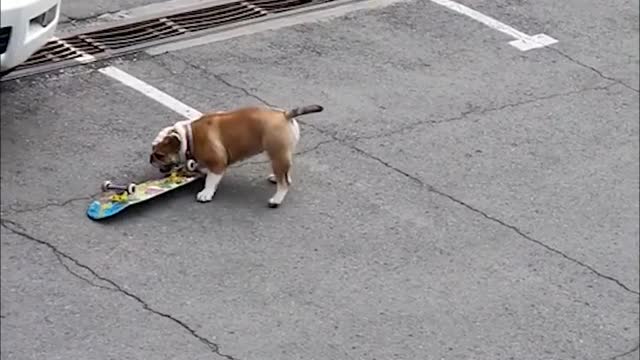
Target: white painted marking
point(522, 42)
point(84, 58)
point(305, 15)
point(255, 8)
point(173, 25)
point(151, 92)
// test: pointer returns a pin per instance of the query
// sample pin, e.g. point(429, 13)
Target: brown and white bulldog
point(217, 140)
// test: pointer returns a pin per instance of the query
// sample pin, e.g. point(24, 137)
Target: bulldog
point(217, 140)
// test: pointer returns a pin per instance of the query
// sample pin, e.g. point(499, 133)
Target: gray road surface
point(457, 199)
point(88, 10)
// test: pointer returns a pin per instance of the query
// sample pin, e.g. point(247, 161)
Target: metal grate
point(134, 36)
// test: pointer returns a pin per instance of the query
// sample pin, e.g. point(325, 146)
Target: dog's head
point(165, 150)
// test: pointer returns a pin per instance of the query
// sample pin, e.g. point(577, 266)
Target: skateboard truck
point(129, 189)
point(122, 191)
point(176, 176)
point(190, 166)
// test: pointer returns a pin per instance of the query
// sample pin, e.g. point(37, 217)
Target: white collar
point(185, 136)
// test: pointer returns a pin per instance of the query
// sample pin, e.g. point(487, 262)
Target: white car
point(25, 26)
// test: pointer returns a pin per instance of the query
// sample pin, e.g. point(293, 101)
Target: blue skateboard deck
point(112, 202)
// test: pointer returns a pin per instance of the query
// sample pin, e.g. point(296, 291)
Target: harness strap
point(188, 153)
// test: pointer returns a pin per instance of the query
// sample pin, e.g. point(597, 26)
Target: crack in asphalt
point(248, 93)
point(78, 20)
point(55, 203)
point(462, 116)
point(221, 79)
point(628, 352)
point(19, 230)
point(494, 219)
point(441, 193)
point(299, 153)
point(592, 68)
point(477, 111)
point(63, 257)
point(75, 274)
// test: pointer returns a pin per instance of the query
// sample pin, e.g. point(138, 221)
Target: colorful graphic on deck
point(111, 202)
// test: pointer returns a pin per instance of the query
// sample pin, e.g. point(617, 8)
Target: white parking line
point(153, 93)
point(85, 58)
point(523, 41)
point(139, 85)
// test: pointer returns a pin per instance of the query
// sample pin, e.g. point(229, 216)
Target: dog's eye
point(159, 156)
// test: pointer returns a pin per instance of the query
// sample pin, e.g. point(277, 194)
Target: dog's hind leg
point(281, 164)
point(295, 137)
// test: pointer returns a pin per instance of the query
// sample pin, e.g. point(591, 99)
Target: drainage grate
point(134, 36)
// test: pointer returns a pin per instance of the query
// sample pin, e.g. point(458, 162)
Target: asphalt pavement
point(457, 199)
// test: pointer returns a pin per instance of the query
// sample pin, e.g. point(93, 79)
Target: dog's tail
point(309, 109)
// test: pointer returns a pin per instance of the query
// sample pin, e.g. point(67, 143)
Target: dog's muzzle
point(164, 168)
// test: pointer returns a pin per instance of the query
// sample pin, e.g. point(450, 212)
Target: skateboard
point(115, 198)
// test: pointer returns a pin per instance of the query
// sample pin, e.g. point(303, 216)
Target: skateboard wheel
point(131, 189)
point(192, 165)
point(106, 185)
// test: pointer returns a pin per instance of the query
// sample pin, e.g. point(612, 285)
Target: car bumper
point(26, 35)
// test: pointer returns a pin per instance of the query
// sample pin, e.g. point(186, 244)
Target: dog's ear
point(173, 142)
point(170, 144)
point(161, 135)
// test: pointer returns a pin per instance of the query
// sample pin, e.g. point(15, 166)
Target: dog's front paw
point(205, 195)
point(273, 203)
